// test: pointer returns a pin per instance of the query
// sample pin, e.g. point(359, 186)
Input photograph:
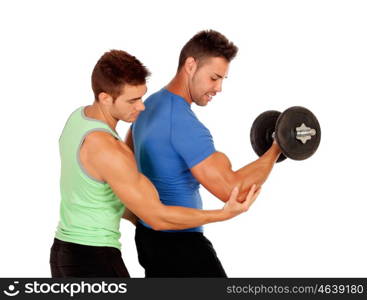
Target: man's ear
point(190, 65)
point(105, 99)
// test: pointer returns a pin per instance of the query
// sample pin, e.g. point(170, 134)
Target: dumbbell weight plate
point(261, 132)
point(286, 133)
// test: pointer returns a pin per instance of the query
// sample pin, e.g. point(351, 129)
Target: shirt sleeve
point(189, 137)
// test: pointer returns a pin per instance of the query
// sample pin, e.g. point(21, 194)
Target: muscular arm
point(114, 163)
point(216, 175)
point(128, 215)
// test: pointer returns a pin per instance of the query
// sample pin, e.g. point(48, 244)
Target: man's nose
point(140, 106)
point(218, 86)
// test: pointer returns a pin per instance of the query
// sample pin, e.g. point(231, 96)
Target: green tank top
point(90, 212)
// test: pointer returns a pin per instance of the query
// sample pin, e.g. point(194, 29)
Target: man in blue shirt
point(176, 152)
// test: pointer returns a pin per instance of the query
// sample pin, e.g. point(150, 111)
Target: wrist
point(225, 214)
point(276, 147)
point(273, 153)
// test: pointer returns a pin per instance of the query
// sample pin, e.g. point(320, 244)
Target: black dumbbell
point(296, 131)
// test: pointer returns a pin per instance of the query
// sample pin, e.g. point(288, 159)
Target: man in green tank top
point(100, 182)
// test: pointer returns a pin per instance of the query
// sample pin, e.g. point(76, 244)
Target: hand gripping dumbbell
point(296, 131)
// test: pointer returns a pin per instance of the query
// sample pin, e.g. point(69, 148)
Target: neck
point(96, 111)
point(179, 86)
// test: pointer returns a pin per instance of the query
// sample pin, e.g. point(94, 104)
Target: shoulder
point(181, 110)
point(100, 138)
point(104, 145)
point(184, 118)
point(111, 158)
point(162, 94)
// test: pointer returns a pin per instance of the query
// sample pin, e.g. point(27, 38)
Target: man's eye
point(214, 79)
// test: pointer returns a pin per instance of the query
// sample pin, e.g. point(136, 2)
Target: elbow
point(231, 182)
point(156, 218)
point(156, 224)
point(159, 225)
point(225, 189)
point(224, 196)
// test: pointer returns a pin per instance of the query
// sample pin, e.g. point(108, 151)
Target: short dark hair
point(115, 69)
point(207, 43)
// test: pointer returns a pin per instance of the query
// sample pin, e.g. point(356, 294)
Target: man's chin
point(134, 118)
point(202, 103)
point(129, 120)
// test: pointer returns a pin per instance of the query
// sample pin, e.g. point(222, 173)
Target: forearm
point(256, 172)
point(176, 217)
point(143, 200)
point(216, 174)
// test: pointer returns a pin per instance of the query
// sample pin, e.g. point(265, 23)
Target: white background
point(310, 219)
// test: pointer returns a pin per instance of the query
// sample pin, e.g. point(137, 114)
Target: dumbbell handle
point(303, 133)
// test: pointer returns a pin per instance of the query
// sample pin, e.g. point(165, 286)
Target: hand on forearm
point(216, 175)
point(174, 217)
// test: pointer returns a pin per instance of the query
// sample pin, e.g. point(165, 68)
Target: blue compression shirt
point(168, 141)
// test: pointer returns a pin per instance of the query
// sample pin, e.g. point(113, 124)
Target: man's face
point(129, 104)
point(206, 81)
